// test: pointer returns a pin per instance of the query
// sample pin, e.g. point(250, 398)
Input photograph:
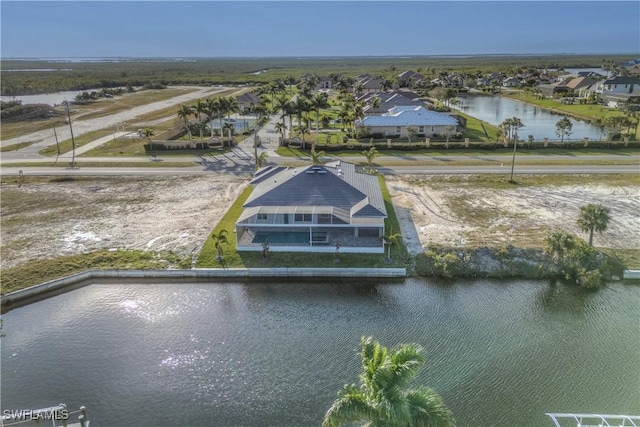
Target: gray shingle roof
point(335, 184)
point(409, 116)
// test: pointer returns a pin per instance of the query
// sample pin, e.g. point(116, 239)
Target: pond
point(539, 122)
point(500, 353)
point(47, 98)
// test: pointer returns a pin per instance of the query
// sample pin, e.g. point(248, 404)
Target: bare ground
point(521, 216)
point(48, 219)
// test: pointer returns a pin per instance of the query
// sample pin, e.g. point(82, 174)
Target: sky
point(52, 29)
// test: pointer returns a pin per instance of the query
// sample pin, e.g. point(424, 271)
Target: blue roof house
point(311, 209)
point(400, 118)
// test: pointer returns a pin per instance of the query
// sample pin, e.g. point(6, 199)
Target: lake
point(500, 353)
point(47, 98)
point(537, 121)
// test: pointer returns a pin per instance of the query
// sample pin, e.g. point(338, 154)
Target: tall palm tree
point(282, 105)
point(320, 100)
point(148, 133)
point(382, 398)
point(593, 217)
point(375, 103)
point(358, 114)
point(280, 128)
point(370, 154)
point(199, 108)
point(184, 112)
point(219, 239)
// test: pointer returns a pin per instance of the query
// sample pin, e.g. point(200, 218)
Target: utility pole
point(514, 133)
point(73, 141)
point(56, 135)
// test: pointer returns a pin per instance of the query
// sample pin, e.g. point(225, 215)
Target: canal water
point(500, 353)
point(539, 122)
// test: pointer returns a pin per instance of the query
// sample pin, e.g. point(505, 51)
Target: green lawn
point(40, 271)
point(235, 259)
point(67, 145)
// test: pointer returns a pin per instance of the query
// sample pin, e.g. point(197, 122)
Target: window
point(262, 216)
point(303, 217)
point(421, 129)
point(398, 129)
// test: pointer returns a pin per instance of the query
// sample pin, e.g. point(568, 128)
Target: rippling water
point(266, 354)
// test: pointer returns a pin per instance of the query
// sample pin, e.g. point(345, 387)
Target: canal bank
point(73, 281)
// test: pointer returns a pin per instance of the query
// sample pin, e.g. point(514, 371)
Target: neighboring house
point(621, 85)
point(552, 90)
point(388, 100)
point(492, 79)
point(511, 82)
point(580, 85)
point(400, 118)
point(313, 209)
point(325, 83)
point(247, 100)
point(409, 78)
point(372, 86)
point(617, 100)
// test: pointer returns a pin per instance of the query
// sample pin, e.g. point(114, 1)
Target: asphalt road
point(247, 168)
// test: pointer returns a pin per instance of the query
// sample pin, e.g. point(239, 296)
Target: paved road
point(46, 137)
point(246, 168)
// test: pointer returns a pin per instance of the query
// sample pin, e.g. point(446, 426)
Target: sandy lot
point(523, 216)
point(47, 219)
point(44, 220)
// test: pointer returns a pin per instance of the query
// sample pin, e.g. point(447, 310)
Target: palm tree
point(370, 154)
point(386, 84)
point(199, 108)
point(261, 159)
point(358, 114)
point(448, 132)
point(593, 218)
point(148, 133)
point(280, 128)
point(391, 239)
point(558, 243)
point(315, 156)
point(382, 399)
point(219, 239)
point(184, 112)
point(320, 100)
point(375, 102)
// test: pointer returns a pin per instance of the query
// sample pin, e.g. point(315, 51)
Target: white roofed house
point(311, 209)
point(400, 118)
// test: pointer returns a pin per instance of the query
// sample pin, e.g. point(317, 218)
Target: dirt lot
point(44, 219)
point(458, 215)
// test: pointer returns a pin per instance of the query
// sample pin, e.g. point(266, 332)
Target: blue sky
point(314, 28)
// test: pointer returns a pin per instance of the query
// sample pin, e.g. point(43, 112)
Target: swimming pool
point(289, 237)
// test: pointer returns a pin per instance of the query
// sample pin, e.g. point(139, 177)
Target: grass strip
point(40, 271)
point(18, 146)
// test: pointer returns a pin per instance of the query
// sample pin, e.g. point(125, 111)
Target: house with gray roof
point(388, 100)
point(398, 119)
point(313, 209)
